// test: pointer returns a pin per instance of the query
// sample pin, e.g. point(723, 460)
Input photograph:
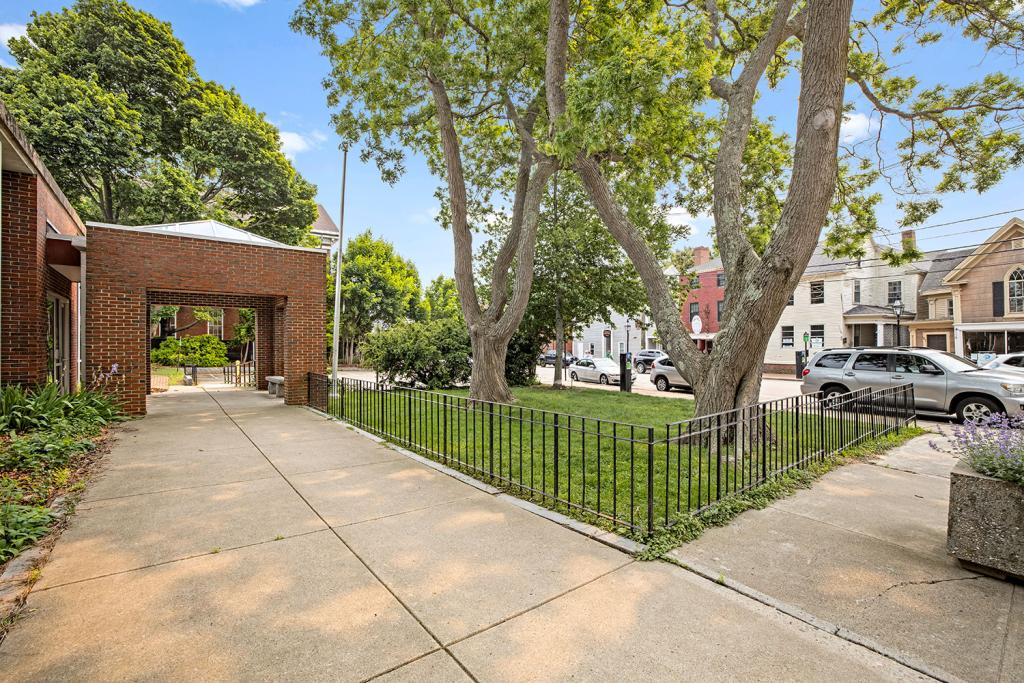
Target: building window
point(787, 337)
point(817, 336)
point(856, 291)
point(949, 308)
point(791, 301)
point(216, 328)
point(694, 310)
point(818, 292)
point(895, 292)
point(721, 309)
point(1015, 290)
point(695, 282)
point(720, 280)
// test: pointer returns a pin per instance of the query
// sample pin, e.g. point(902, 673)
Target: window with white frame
point(694, 310)
point(216, 327)
point(895, 291)
point(787, 337)
point(856, 291)
point(818, 292)
point(949, 308)
point(1015, 290)
point(817, 336)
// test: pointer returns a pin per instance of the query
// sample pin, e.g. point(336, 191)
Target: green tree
point(112, 101)
point(431, 353)
point(441, 299)
point(379, 288)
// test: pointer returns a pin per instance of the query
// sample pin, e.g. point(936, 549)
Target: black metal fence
point(634, 476)
point(240, 374)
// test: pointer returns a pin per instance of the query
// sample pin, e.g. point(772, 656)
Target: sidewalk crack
point(921, 582)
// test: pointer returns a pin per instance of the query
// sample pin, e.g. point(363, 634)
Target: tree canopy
point(112, 101)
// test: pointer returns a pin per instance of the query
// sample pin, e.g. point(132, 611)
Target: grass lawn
point(638, 409)
point(620, 460)
point(174, 375)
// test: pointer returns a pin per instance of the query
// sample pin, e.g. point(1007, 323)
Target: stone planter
point(986, 522)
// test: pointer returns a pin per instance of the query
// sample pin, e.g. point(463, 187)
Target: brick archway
point(129, 269)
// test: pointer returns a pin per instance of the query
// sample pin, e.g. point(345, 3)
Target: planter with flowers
point(986, 496)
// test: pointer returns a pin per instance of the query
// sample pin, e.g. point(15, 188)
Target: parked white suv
point(943, 383)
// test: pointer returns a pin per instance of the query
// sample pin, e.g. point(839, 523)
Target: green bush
point(434, 354)
point(203, 350)
point(521, 360)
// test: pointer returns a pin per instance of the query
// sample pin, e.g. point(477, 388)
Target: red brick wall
point(186, 317)
point(707, 295)
point(128, 271)
point(25, 279)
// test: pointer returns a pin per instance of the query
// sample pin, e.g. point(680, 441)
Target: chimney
point(908, 239)
point(702, 255)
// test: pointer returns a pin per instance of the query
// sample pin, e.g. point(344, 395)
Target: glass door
point(58, 342)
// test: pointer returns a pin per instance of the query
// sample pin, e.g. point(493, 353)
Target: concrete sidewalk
point(231, 537)
point(865, 549)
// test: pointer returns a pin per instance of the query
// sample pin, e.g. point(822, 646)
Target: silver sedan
point(600, 370)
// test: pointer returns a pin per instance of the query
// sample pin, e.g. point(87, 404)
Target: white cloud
point(856, 127)
point(678, 216)
point(426, 217)
point(8, 31)
point(293, 143)
point(238, 4)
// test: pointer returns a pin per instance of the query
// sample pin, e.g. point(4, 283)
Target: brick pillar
point(117, 332)
point(304, 346)
point(264, 344)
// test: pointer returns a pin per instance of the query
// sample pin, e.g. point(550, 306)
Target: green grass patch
point(174, 375)
point(689, 527)
point(610, 459)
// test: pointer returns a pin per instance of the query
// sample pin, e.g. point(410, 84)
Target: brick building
point(52, 267)
point(706, 298)
point(40, 268)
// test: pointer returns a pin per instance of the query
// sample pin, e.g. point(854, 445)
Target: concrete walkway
point(865, 549)
point(234, 538)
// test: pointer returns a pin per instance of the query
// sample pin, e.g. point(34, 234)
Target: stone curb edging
point(609, 538)
point(816, 622)
point(15, 582)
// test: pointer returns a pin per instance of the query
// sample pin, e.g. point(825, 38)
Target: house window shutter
point(997, 299)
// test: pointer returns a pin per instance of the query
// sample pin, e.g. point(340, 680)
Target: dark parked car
point(547, 359)
point(645, 358)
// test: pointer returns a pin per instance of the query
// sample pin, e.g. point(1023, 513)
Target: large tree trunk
point(488, 381)
point(559, 343)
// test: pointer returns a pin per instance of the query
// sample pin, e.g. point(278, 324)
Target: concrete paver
point(652, 621)
point(298, 609)
point(169, 571)
point(464, 565)
point(864, 548)
point(138, 531)
point(354, 494)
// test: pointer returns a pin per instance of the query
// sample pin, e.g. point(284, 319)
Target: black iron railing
point(634, 476)
point(240, 374)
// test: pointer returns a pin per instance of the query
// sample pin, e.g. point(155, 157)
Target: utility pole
point(337, 272)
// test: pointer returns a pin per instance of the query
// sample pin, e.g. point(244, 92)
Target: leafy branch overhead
point(112, 101)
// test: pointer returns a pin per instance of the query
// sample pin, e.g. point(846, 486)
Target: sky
point(247, 45)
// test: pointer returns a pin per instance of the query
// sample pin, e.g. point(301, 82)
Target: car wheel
point(831, 393)
point(573, 377)
point(976, 409)
point(640, 368)
point(662, 384)
point(604, 379)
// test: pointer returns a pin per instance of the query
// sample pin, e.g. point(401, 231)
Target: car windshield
point(955, 363)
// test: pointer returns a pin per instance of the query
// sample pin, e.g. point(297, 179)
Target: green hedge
point(203, 350)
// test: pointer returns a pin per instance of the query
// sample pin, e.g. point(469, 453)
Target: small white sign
point(817, 343)
point(696, 324)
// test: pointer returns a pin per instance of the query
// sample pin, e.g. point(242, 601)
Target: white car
point(1006, 361)
point(600, 370)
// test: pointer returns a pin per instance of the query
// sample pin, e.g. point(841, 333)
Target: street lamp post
point(627, 335)
point(897, 309)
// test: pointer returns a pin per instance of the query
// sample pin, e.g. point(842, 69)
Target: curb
point(15, 581)
point(816, 622)
point(609, 538)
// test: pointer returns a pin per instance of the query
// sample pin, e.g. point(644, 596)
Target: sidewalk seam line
point(399, 514)
point(85, 503)
point(1006, 636)
point(345, 543)
point(178, 559)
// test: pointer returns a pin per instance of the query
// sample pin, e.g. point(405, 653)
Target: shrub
point(204, 350)
point(47, 407)
point(434, 354)
point(995, 449)
point(521, 361)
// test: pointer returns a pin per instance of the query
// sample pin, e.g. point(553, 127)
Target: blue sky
point(246, 44)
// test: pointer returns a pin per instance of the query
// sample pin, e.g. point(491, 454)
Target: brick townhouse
point(40, 268)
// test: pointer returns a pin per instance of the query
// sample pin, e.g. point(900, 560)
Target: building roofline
point(148, 230)
point(32, 159)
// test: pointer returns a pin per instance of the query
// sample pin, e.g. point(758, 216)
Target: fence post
point(238, 373)
point(556, 454)
point(650, 480)
point(408, 417)
point(445, 429)
point(764, 443)
point(490, 439)
point(822, 407)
